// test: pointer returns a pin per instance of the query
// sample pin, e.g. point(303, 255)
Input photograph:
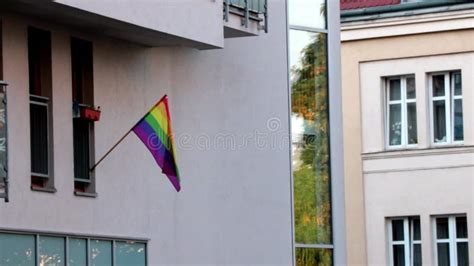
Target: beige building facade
point(408, 104)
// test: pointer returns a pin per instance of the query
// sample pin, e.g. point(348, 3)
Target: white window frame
point(448, 99)
point(408, 242)
point(404, 101)
point(453, 98)
point(452, 240)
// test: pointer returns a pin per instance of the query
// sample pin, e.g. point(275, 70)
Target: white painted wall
point(234, 207)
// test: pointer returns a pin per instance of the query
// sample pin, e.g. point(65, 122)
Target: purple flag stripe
point(162, 156)
point(174, 180)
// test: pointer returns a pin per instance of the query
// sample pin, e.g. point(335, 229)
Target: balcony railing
point(249, 10)
point(3, 142)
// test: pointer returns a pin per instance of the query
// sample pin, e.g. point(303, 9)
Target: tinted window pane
point(395, 124)
point(101, 253)
point(463, 254)
point(411, 126)
point(411, 88)
point(457, 84)
point(438, 85)
point(313, 257)
point(81, 148)
point(51, 251)
point(17, 250)
point(416, 229)
point(397, 230)
point(307, 13)
point(399, 255)
point(443, 254)
point(442, 228)
point(395, 90)
point(461, 227)
point(39, 137)
point(77, 252)
point(458, 121)
point(130, 254)
point(310, 142)
point(439, 121)
point(417, 261)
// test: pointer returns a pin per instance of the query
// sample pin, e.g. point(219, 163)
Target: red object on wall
point(354, 4)
point(90, 114)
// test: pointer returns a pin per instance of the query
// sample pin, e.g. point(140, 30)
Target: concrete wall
point(420, 182)
point(235, 205)
point(198, 20)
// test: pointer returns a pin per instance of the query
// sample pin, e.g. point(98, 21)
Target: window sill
point(42, 189)
point(85, 194)
point(412, 151)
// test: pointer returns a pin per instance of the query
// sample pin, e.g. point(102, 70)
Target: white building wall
point(198, 20)
point(235, 205)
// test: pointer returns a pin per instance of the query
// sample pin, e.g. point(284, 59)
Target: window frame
point(403, 102)
point(408, 238)
point(452, 240)
point(41, 95)
point(82, 71)
point(448, 99)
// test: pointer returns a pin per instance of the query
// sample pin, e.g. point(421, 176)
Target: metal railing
point(256, 10)
point(4, 185)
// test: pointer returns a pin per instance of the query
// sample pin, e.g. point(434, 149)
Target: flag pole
point(110, 150)
point(123, 137)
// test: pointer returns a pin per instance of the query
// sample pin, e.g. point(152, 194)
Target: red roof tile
point(354, 4)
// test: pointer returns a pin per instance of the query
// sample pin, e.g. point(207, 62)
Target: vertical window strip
point(40, 87)
point(312, 207)
point(457, 101)
point(83, 129)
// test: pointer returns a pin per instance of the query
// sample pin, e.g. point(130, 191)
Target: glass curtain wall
point(310, 132)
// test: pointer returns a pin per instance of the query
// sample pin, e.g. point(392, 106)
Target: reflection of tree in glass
point(313, 257)
point(311, 177)
point(18, 257)
point(50, 260)
point(95, 252)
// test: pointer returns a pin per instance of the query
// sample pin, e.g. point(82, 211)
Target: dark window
point(83, 130)
point(40, 82)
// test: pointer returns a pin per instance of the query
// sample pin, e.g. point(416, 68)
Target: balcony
point(245, 17)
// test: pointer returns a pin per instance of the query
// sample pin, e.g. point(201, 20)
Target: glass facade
point(32, 249)
point(51, 251)
point(310, 132)
point(313, 256)
point(17, 250)
point(130, 253)
point(77, 251)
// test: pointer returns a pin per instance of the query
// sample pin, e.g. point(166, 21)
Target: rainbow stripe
point(154, 130)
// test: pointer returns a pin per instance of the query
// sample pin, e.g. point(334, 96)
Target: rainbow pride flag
point(154, 130)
